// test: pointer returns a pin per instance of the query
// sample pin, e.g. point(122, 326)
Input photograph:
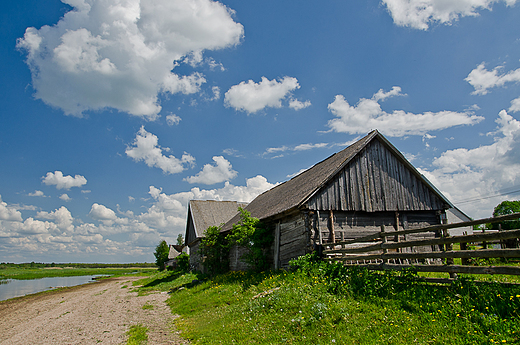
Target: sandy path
point(95, 313)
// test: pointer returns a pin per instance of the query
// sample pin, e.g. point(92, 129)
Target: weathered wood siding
point(353, 225)
point(294, 239)
point(375, 180)
point(236, 262)
point(195, 257)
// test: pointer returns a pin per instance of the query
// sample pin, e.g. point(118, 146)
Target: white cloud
point(367, 115)
point(418, 14)
point(211, 174)
point(63, 182)
point(145, 148)
point(9, 213)
point(252, 97)
point(302, 147)
point(37, 193)
point(298, 105)
point(65, 197)
point(61, 216)
point(464, 174)
point(120, 54)
point(515, 105)
point(305, 147)
point(172, 119)
point(102, 213)
point(483, 80)
point(128, 237)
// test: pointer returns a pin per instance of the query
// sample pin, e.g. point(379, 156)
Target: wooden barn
point(201, 215)
point(346, 196)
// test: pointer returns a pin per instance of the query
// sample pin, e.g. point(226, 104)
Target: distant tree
point(504, 208)
point(161, 254)
point(180, 240)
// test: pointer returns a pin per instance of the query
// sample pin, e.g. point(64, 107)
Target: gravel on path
point(95, 313)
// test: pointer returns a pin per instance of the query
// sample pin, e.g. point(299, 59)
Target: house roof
point(205, 213)
point(298, 190)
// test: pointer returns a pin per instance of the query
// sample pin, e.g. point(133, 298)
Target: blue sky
point(115, 113)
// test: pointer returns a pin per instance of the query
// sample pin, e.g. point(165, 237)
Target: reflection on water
point(10, 288)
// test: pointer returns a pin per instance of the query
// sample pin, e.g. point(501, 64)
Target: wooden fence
point(386, 250)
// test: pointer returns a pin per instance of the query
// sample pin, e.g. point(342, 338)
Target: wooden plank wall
point(236, 263)
point(375, 180)
point(195, 257)
point(293, 239)
point(352, 225)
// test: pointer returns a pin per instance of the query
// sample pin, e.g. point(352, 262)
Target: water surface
point(10, 288)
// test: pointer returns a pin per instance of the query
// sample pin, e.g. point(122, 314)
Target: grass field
point(37, 273)
point(327, 304)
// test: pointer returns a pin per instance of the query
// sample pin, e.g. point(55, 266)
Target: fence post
point(448, 247)
point(343, 247)
point(383, 240)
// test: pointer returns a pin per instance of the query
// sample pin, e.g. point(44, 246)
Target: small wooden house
point(346, 196)
point(201, 215)
point(174, 252)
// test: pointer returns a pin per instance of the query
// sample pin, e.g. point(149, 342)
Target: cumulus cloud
point(252, 97)
point(297, 105)
point(367, 115)
point(101, 212)
point(145, 148)
point(37, 193)
point(219, 172)
point(418, 14)
point(9, 213)
point(473, 174)
point(65, 197)
point(62, 217)
point(120, 54)
point(127, 238)
point(483, 80)
point(63, 182)
point(172, 119)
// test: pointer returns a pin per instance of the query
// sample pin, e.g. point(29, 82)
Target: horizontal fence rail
point(378, 252)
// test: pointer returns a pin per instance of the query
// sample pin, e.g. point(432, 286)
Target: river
point(10, 288)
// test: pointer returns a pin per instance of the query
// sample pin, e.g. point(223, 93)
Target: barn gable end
point(376, 180)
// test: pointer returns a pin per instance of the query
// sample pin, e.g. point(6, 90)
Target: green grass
point(37, 273)
point(137, 335)
point(147, 306)
point(326, 304)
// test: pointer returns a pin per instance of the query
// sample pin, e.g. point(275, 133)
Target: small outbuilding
point(201, 215)
point(346, 196)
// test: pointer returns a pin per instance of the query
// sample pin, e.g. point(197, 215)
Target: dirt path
point(95, 313)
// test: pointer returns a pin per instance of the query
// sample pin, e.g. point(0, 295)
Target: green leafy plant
point(183, 262)
point(214, 249)
point(251, 234)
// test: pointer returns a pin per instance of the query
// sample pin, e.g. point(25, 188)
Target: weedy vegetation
point(137, 335)
point(322, 303)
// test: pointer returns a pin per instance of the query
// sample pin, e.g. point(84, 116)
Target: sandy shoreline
point(93, 313)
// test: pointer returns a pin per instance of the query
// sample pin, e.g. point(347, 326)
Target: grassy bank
point(326, 304)
point(37, 273)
